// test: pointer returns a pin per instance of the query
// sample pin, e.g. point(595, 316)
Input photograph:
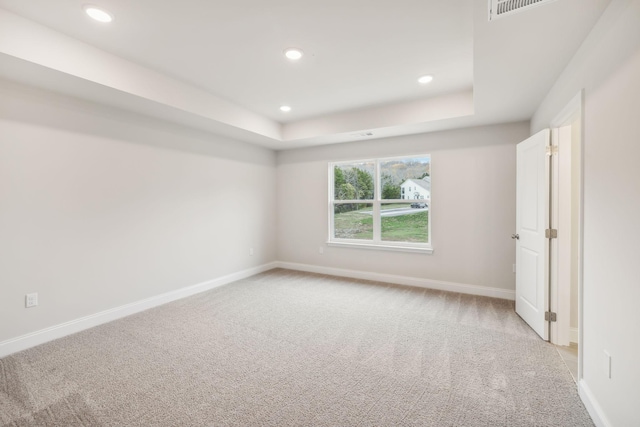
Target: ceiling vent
point(501, 8)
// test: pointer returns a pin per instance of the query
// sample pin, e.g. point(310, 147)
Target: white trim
point(554, 299)
point(381, 247)
point(592, 405)
point(562, 246)
point(42, 336)
point(570, 112)
point(574, 335)
point(404, 280)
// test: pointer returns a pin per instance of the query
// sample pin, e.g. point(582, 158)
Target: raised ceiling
point(219, 65)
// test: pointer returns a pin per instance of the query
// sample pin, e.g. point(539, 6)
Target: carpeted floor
point(293, 349)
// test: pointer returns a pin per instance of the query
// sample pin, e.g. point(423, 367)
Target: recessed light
point(293, 53)
point(98, 14)
point(425, 79)
point(285, 108)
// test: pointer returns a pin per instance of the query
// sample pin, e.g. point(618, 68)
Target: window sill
point(381, 247)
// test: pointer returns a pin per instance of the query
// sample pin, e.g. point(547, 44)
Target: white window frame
point(377, 243)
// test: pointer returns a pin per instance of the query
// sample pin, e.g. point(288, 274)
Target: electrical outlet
point(513, 268)
point(31, 300)
point(250, 251)
point(321, 250)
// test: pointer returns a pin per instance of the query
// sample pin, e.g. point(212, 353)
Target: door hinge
point(551, 150)
point(550, 316)
point(551, 233)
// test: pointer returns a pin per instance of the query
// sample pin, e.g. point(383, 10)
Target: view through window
point(381, 202)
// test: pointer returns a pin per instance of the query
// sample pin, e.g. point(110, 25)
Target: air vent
point(501, 8)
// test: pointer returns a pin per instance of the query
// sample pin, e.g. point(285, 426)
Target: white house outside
point(416, 189)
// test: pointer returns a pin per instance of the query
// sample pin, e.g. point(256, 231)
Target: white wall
point(608, 67)
point(472, 206)
point(100, 208)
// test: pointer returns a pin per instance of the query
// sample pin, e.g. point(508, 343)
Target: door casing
point(560, 301)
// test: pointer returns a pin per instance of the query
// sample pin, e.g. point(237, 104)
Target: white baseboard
point(574, 336)
point(42, 336)
point(592, 405)
point(404, 280)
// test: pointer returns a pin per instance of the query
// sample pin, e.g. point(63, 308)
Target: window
point(381, 203)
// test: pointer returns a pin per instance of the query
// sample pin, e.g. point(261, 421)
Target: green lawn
point(405, 228)
point(354, 224)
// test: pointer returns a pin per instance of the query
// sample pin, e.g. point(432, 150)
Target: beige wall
point(473, 206)
point(100, 208)
point(607, 68)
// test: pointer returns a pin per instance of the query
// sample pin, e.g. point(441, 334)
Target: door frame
point(574, 110)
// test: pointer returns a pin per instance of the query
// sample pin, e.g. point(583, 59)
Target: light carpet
point(285, 348)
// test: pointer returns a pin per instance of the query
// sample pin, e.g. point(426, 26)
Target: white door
point(532, 219)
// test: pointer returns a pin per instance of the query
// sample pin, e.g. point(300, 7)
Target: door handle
point(515, 236)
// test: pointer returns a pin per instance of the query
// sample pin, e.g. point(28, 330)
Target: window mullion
point(377, 222)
